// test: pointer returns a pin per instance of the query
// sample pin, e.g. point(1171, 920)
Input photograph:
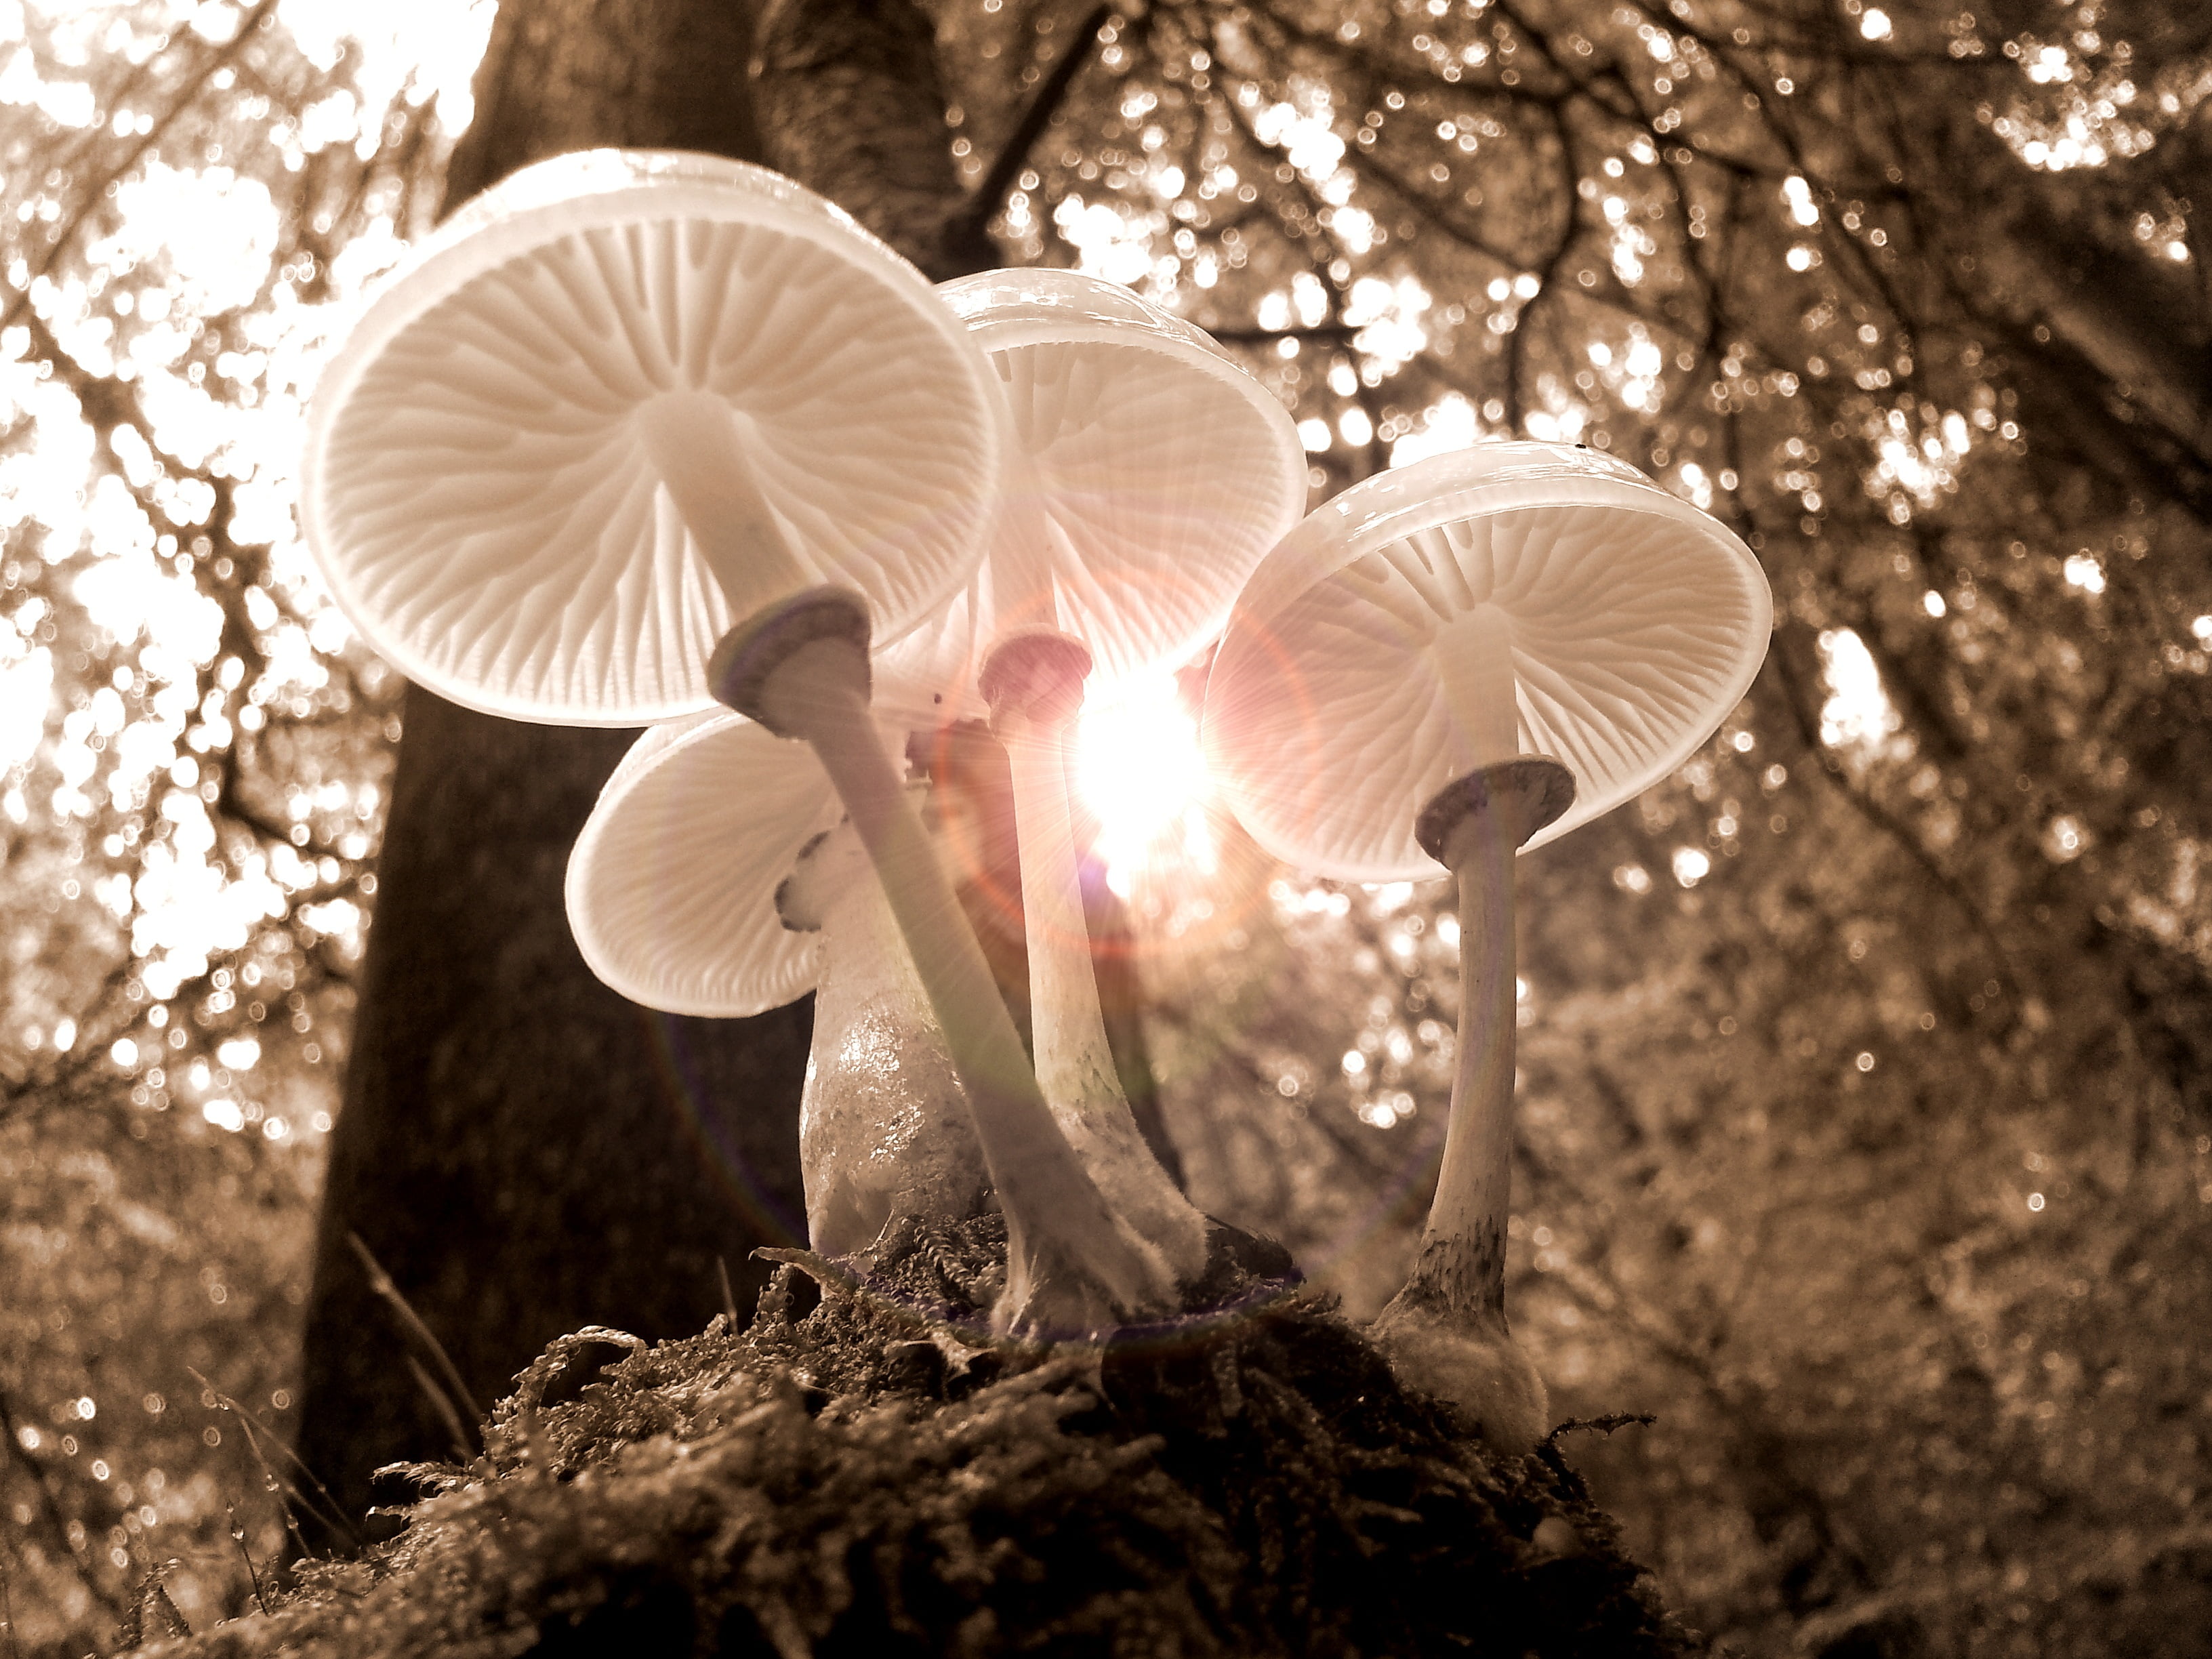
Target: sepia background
point(1866, 1119)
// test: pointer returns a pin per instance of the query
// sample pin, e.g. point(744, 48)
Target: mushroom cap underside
point(1354, 677)
point(1145, 474)
point(671, 885)
point(481, 485)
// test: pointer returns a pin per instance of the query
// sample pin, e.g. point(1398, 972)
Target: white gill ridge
point(1426, 580)
point(557, 616)
point(1137, 474)
point(451, 592)
point(1052, 392)
point(670, 882)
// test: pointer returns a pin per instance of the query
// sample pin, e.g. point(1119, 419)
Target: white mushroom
point(623, 400)
point(1450, 661)
point(714, 877)
point(1146, 473)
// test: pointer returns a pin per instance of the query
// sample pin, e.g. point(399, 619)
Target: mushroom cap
point(1635, 623)
point(1145, 474)
point(476, 483)
point(671, 885)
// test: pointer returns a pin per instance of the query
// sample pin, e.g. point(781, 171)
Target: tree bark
point(850, 105)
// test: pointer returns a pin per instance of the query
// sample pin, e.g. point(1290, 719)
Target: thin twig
point(333, 1519)
point(380, 1282)
point(1605, 1424)
point(253, 1574)
point(990, 196)
point(729, 1296)
point(443, 1405)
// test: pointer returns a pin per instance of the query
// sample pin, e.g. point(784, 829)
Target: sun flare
point(1139, 767)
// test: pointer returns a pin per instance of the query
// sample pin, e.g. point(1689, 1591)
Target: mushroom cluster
point(640, 432)
point(1448, 663)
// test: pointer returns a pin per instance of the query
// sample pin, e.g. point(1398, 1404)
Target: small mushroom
point(1145, 474)
point(1447, 662)
point(714, 877)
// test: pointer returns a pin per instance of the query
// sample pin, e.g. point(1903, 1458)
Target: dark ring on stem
point(749, 654)
point(1034, 671)
point(789, 911)
point(1530, 793)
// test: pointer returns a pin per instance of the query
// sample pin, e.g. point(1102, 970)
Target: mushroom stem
point(1033, 683)
point(1462, 1260)
point(1446, 1330)
point(883, 1127)
point(1473, 660)
point(693, 440)
point(800, 668)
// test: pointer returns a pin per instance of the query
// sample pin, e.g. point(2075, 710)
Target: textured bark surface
point(850, 104)
point(563, 75)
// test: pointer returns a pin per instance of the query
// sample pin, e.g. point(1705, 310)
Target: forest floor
point(864, 1471)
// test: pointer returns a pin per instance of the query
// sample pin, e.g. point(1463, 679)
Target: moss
point(865, 1472)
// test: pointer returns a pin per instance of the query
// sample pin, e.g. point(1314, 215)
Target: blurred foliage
point(1866, 1135)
